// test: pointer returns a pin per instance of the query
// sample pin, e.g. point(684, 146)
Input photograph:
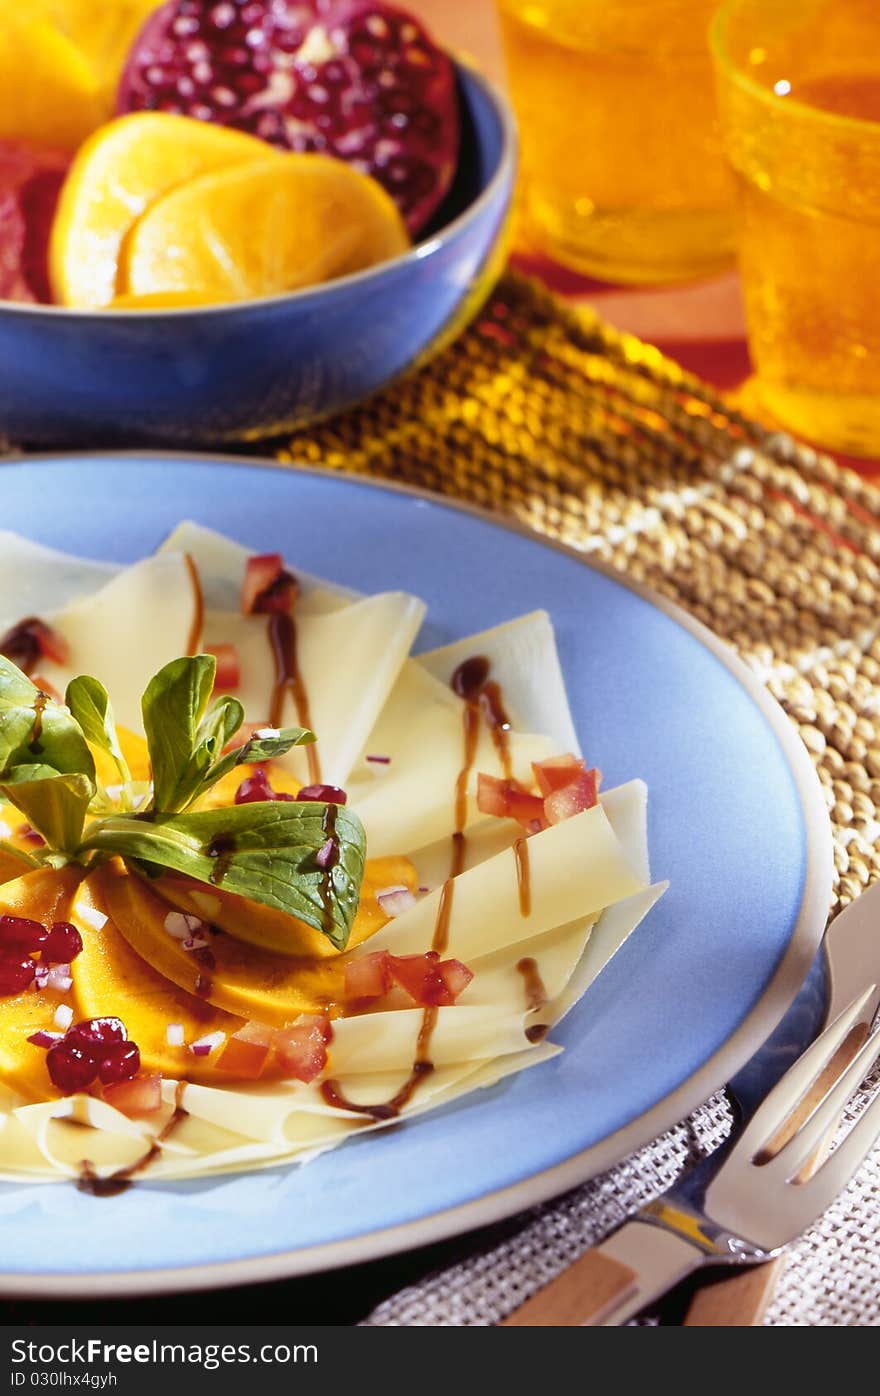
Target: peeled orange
point(279, 224)
point(115, 177)
point(49, 93)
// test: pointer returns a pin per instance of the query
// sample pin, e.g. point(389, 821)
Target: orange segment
point(103, 31)
point(110, 978)
point(283, 223)
point(44, 895)
point(244, 980)
point(48, 91)
point(120, 171)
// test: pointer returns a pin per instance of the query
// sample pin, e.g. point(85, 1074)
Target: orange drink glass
point(799, 98)
point(623, 172)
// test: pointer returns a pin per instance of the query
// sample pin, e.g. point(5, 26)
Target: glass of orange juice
point(623, 170)
point(799, 98)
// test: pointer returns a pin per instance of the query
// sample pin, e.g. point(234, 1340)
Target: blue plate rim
point(694, 1090)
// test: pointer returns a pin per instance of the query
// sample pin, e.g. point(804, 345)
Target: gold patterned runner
point(591, 437)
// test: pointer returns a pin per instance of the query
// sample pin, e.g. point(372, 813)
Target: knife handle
point(611, 1282)
point(738, 1301)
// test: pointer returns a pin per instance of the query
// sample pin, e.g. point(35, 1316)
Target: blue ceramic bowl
point(245, 370)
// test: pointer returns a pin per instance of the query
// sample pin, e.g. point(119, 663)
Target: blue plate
point(737, 823)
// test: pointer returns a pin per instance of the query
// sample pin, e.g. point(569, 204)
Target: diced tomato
point(228, 675)
point(368, 976)
point(508, 800)
point(432, 982)
point(258, 1033)
point(580, 794)
point(302, 1048)
point(556, 772)
point(140, 1096)
point(267, 586)
point(52, 645)
point(243, 1057)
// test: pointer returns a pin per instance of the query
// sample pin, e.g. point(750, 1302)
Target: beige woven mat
point(594, 438)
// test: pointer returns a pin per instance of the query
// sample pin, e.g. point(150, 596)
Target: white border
point(714, 1073)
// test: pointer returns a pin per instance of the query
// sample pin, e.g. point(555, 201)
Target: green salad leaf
point(266, 851)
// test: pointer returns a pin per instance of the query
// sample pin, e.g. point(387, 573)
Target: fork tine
point(796, 1152)
point(796, 1082)
point(837, 1170)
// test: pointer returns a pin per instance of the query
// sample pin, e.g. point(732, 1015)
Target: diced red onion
point(91, 915)
point(63, 1016)
point(59, 978)
point(204, 1046)
point(182, 925)
point(395, 900)
point(174, 1035)
point(267, 733)
point(379, 760)
point(328, 855)
point(196, 942)
point(41, 976)
point(45, 1039)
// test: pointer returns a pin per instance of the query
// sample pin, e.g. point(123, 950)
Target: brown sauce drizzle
point(523, 876)
point(483, 702)
point(122, 1179)
point(288, 679)
point(37, 730)
point(194, 643)
point(329, 831)
point(536, 993)
point(221, 850)
point(536, 996)
point(390, 1109)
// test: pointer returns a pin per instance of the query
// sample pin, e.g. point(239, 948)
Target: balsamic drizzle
point(288, 679)
point(122, 1179)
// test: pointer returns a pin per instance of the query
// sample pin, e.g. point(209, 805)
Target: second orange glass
point(623, 172)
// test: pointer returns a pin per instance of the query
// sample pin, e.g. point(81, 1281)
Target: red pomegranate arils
point(16, 973)
point(324, 794)
point(70, 1069)
point(94, 1035)
point(62, 944)
point(356, 79)
point(21, 933)
point(121, 1062)
point(256, 788)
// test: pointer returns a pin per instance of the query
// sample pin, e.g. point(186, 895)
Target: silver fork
point(774, 1181)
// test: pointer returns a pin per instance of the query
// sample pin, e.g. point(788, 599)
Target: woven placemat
point(594, 438)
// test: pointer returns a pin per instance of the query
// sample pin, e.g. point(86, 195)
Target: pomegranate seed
point(256, 788)
point(69, 1068)
point(121, 1062)
point(306, 77)
point(325, 794)
point(15, 974)
point(93, 1036)
point(62, 944)
point(20, 933)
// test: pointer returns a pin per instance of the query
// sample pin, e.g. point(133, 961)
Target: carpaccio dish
point(217, 149)
point(286, 883)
